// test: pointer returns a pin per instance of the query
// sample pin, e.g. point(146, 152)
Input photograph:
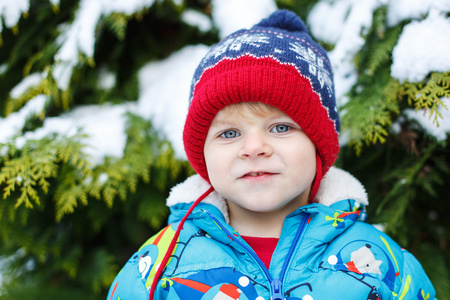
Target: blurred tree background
point(67, 225)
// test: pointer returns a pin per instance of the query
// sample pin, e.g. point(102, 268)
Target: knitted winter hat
point(275, 62)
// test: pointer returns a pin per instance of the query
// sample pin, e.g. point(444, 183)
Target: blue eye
point(229, 134)
point(281, 128)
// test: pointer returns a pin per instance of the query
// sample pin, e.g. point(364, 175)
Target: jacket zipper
point(276, 284)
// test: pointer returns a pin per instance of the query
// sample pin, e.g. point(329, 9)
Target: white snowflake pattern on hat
point(235, 44)
point(316, 67)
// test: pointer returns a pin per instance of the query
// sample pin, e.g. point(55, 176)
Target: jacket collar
point(336, 185)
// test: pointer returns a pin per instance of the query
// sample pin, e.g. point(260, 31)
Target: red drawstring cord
point(174, 241)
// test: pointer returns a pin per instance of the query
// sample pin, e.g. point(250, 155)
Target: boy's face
point(262, 164)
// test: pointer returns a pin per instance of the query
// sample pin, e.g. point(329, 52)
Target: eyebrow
point(231, 120)
point(220, 122)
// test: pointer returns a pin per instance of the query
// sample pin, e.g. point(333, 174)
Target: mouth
point(257, 174)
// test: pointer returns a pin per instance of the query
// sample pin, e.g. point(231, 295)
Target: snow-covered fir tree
point(93, 99)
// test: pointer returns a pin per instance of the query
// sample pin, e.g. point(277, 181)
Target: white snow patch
point(400, 10)
point(107, 79)
point(11, 11)
point(165, 99)
point(330, 28)
point(103, 124)
point(423, 118)
point(423, 47)
point(103, 178)
point(14, 123)
point(3, 68)
point(31, 80)
point(197, 19)
point(353, 18)
point(232, 15)
point(79, 37)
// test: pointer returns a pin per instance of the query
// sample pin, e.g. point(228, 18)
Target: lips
point(257, 174)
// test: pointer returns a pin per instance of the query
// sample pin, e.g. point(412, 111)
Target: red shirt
point(263, 247)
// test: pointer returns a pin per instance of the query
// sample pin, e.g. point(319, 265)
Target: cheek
point(214, 162)
point(305, 160)
point(217, 175)
point(219, 165)
point(309, 159)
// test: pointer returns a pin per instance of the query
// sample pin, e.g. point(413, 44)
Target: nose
point(255, 144)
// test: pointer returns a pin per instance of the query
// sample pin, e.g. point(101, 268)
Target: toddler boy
point(267, 216)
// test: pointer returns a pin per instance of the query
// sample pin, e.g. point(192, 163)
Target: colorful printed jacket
point(325, 251)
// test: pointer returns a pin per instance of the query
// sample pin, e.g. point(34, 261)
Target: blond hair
point(246, 109)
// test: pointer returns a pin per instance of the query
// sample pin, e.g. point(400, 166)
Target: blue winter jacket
point(325, 251)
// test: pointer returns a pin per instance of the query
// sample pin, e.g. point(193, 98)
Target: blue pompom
point(284, 19)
